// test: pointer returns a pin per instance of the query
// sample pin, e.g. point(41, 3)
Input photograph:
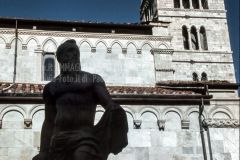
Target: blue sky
point(103, 11)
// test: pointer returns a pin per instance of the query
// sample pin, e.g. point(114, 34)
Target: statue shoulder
point(98, 80)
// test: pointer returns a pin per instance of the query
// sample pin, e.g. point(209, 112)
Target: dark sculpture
point(68, 131)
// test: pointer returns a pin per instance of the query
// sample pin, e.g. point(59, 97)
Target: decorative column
point(191, 5)
point(181, 4)
point(200, 4)
point(189, 38)
point(199, 40)
point(163, 64)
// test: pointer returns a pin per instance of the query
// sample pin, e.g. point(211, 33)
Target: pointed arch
point(87, 41)
point(3, 38)
point(118, 42)
point(13, 38)
point(132, 43)
point(32, 38)
point(146, 43)
point(50, 45)
point(163, 45)
point(101, 41)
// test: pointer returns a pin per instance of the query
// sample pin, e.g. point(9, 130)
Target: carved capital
point(27, 123)
point(139, 51)
point(8, 45)
point(109, 50)
point(222, 123)
point(185, 124)
point(124, 50)
point(161, 124)
point(93, 49)
point(24, 47)
point(137, 124)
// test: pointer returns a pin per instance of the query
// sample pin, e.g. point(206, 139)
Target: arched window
point(186, 4)
point(176, 3)
point(195, 4)
point(48, 66)
point(194, 38)
point(185, 37)
point(204, 77)
point(204, 4)
point(203, 38)
point(195, 76)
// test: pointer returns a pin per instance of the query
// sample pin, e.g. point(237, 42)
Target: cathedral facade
point(173, 74)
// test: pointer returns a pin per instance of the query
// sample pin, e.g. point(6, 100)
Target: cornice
point(193, 10)
point(86, 35)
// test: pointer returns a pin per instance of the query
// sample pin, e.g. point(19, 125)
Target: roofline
point(77, 23)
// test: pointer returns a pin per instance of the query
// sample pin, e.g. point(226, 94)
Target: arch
point(32, 38)
point(130, 112)
point(221, 109)
point(152, 110)
point(172, 119)
point(194, 38)
point(185, 37)
point(146, 43)
point(195, 76)
point(35, 110)
point(186, 4)
point(3, 38)
point(176, 3)
point(163, 46)
point(172, 109)
point(101, 41)
point(205, 4)
point(203, 38)
point(118, 42)
point(13, 38)
point(195, 4)
point(132, 43)
point(194, 109)
point(13, 108)
point(85, 40)
point(50, 40)
point(204, 77)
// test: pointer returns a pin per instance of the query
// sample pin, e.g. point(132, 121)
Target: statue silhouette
point(68, 131)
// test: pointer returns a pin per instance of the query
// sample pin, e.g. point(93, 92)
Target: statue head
point(68, 56)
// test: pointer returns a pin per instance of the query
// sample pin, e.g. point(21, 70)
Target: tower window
point(48, 66)
point(204, 4)
point(194, 38)
point(195, 4)
point(203, 38)
point(185, 37)
point(176, 3)
point(204, 77)
point(195, 77)
point(186, 4)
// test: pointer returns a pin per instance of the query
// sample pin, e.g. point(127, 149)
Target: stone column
point(200, 4)
point(189, 38)
point(181, 4)
point(191, 5)
point(199, 39)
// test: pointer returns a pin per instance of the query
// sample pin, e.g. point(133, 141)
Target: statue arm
point(48, 124)
point(102, 93)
